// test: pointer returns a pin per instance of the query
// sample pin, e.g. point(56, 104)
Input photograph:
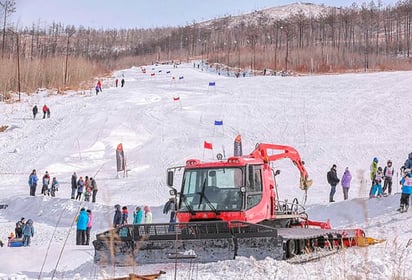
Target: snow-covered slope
point(343, 119)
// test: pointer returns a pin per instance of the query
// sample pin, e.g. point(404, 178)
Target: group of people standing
point(121, 215)
point(83, 189)
point(84, 222)
point(381, 181)
point(48, 187)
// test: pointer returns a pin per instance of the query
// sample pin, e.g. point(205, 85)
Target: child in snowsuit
point(346, 179)
point(377, 184)
point(28, 232)
point(406, 183)
point(19, 228)
point(88, 189)
point(46, 182)
point(80, 188)
point(388, 172)
point(54, 187)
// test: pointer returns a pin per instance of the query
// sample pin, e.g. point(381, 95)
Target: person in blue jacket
point(28, 232)
point(406, 183)
point(138, 216)
point(82, 220)
point(33, 182)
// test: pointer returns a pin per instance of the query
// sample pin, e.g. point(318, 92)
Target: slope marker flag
point(208, 145)
point(218, 123)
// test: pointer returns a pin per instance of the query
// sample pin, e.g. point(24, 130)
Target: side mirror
point(173, 192)
point(170, 176)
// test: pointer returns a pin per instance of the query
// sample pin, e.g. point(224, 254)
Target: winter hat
point(334, 166)
point(375, 159)
point(146, 208)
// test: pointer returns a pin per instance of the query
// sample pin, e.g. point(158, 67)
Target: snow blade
point(203, 241)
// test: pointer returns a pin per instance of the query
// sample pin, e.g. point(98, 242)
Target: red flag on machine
point(120, 158)
point(208, 145)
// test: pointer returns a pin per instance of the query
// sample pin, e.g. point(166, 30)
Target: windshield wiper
point(184, 199)
point(202, 195)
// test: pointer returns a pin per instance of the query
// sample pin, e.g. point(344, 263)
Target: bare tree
point(8, 7)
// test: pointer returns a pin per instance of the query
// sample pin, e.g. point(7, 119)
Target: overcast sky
point(109, 14)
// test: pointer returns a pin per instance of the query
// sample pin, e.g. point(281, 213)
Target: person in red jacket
point(45, 109)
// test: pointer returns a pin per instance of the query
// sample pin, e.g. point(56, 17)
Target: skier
point(345, 182)
point(33, 182)
point(406, 183)
point(117, 82)
point(333, 180)
point(388, 173)
point(35, 111)
point(122, 82)
point(377, 184)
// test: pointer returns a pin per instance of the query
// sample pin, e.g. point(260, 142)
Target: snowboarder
point(28, 232)
point(33, 182)
point(35, 111)
point(46, 182)
point(388, 173)
point(82, 221)
point(406, 183)
point(345, 182)
point(74, 185)
point(122, 82)
point(117, 219)
point(19, 228)
point(138, 216)
point(333, 180)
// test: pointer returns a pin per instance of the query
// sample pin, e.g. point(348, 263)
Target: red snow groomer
point(230, 208)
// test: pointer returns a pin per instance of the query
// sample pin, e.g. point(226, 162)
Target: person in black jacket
point(35, 111)
point(333, 180)
point(117, 219)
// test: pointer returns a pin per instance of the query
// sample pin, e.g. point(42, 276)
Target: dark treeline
point(357, 38)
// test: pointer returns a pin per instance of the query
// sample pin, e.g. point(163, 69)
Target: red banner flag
point(208, 145)
point(176, 98)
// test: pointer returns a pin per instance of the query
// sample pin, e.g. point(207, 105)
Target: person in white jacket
point(148, 218)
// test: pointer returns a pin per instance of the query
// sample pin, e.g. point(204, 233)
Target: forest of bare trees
point(369, 37)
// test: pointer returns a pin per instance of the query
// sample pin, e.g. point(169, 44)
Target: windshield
point(212, 189)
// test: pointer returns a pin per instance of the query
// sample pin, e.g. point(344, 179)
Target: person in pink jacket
point(89, 226)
